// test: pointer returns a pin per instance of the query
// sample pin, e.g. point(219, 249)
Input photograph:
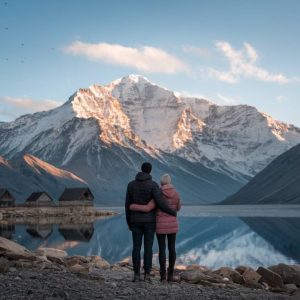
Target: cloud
point(243, 64)
point(203, 52)
point(251, 52)
point(12, 107)
point(146, 58)
point(280, 99)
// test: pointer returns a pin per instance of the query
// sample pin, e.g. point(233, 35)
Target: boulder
point(89, 261)
point(47, 265)
point(78, 258)
point(99, 262)
point(57, 260)
point(192, 276)
point(288, 273)
point(230, 273)
point(73, 260)
point(42, 258)
point(51, 252)
point(197, 267)
point(270, 277)
point(17, 256)
point(196, 276)
point(8, 246)
point(241, 269)
point(251, 277)
point(126, 262)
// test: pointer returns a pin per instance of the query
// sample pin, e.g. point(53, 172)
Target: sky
point(230, 52)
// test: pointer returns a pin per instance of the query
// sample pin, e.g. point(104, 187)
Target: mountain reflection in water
point(209, 241)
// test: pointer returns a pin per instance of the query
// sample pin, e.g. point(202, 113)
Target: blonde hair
point(165, 179)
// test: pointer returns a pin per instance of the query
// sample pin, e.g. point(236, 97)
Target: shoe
point(163, 276)
point(136, 277)
point(170, 277)
point(147, 277)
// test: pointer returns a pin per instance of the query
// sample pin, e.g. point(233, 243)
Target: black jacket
point(141, 191)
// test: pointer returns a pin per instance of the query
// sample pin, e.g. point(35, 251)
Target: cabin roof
point(73, 194)
point(3, 191)
point(40, 233)
point(77, 234)
point(35, 196)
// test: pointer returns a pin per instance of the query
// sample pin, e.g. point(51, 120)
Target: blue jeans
point(140, 230)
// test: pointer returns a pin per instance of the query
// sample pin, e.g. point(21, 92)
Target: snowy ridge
point(39, 166)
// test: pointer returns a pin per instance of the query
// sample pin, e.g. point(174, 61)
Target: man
point(141, 191)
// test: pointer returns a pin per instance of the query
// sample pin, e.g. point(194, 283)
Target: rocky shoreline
point(50, 274)
point(52, 214)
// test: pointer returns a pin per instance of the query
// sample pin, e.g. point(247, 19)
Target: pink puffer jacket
point(165, 223)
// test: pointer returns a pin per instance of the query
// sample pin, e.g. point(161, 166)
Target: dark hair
point(146, 167)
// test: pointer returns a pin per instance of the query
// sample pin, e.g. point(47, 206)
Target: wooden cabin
point(6, 198)
point(79, 232)
point(40, 199)
point(7, 230)
point(76, 197)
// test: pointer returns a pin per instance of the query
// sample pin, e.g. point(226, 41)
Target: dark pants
point(138, 231)
point(161, 238)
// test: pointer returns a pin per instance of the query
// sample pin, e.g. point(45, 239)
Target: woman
point(166, 226)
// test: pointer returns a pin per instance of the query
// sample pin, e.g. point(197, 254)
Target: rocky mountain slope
point(103, 133)
point(29, 174)
point(278, 183)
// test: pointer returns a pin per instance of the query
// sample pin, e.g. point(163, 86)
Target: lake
point(213, 236)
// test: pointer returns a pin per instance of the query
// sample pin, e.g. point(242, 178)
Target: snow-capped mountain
point(104, 133)
point(28, 174)
point(237, 138)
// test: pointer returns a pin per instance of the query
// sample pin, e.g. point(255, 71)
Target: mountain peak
point(136, 78)
point(131, 84)
point(132, 78)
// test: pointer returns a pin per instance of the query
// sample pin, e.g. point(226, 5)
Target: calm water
point(213, 236)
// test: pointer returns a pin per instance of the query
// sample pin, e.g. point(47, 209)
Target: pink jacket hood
point(168, 191)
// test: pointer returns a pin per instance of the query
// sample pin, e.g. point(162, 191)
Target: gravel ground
point(112, 284)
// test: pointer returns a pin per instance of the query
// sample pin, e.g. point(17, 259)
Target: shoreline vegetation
point(50, 273)
point(52, 214)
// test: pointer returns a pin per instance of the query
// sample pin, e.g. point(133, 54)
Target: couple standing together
point(151, 209)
